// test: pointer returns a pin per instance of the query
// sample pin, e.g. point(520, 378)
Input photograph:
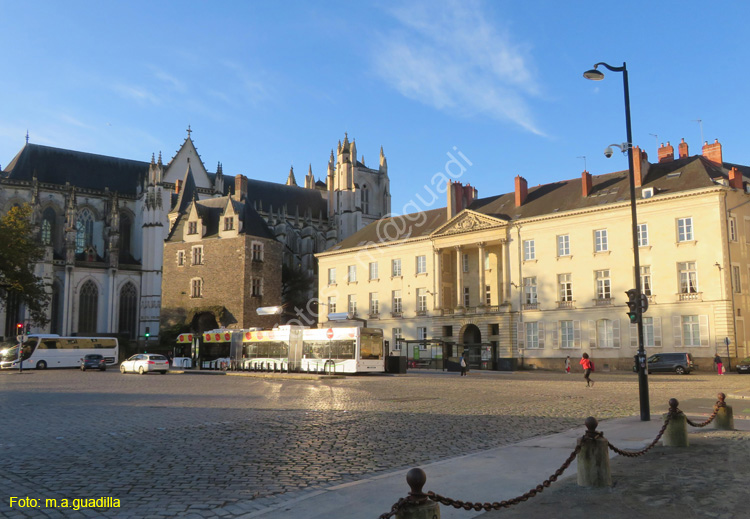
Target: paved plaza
point(214, 445)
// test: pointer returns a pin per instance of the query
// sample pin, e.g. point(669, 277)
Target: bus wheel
point(329, 367)
point(41, 365)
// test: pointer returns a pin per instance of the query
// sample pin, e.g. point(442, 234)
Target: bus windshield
point(11, 354)
point(371, 346)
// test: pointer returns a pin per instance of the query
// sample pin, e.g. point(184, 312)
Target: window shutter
point(592, 334)
point(577, 334)
point(520, 333)
point(657, 331)
point(677, 330)
point(703, 322)
point(633, 335)
point(554, 334)
point(541, 334)
point(616, 333)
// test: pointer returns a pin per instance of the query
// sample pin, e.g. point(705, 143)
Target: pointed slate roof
point(186, 194)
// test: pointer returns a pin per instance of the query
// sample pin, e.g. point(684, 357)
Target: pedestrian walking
point(463, 365)
point(586, 363)
point(567, 364)
point(719, 365)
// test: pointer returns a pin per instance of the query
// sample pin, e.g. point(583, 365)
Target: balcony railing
point(374, 315)
point(421, 312)
point(397, 314)
point(531, 306)
point(604, 301)
point(691, 296)
point(566, 304)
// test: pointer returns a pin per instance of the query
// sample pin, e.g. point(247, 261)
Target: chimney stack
point(682, 149)
point(735, 178)
point(240, 187)
point(666, 153)
point(459, 197)
point(522, 189)
point(586, 183)
point(640, 166)
point(712, 152)
point(177, 187)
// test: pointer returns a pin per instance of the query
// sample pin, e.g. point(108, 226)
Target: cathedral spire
point(309, 179)
point(290, 181)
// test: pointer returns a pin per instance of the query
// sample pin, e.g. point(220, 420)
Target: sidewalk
point(512, 470)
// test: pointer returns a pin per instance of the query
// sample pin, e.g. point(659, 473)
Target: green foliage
point(168, 335)
point(19, 253)
point(295, 287)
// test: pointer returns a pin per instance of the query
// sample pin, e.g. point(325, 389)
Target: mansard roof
point(666, 178)
point(211, 211)
point(80, 169)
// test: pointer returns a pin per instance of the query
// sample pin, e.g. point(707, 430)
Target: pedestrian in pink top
point(586, 363)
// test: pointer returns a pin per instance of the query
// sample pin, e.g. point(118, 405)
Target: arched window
point(48, 226)
point(84, 230)
point(88, 301)
point(128, 309)
point(125, 231)
point(55, 310)
point(365, 200)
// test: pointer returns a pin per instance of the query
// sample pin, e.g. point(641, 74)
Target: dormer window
point(192, 227)
point(228, 223)
point(647, 192)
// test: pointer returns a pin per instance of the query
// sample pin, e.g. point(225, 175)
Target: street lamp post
point(597, 75)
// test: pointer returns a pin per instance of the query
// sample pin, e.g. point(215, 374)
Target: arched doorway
point(201, 323)
point(478, 355)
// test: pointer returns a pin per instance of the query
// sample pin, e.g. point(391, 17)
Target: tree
point(296, 286)
point(19, 253)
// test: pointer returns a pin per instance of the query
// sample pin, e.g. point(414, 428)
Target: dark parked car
point(93, 361)
point(680, 363)
point(743, 366)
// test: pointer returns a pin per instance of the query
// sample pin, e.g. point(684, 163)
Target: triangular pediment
point(187, 156)
point(467, 221)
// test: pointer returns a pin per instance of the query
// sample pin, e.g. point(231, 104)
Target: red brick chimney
point(177, 187)
point(640, 166)
point(459, 197)
point(666, 153)
point(682, 149)
point(240, 187)
point(522, 189)
point(713, 152)
point(735, 178)
point(586, 183)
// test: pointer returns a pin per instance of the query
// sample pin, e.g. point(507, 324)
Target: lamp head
point(593, 74)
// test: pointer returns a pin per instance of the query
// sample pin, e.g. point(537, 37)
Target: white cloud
point(135, 92)
point(449, 56)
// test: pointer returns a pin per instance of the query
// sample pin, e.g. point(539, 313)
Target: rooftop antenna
point(584, 161)
point(27, 136)
point(700, 123)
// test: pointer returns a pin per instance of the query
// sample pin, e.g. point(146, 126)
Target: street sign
point(329, 333)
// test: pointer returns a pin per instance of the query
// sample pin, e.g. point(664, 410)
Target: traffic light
point(633, 304)
point(148, 333)
point(19, 329)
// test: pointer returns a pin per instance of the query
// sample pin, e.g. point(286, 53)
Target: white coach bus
point(53, 351)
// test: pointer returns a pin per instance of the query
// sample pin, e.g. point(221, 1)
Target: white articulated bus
point(53, 351)
point(322, 350)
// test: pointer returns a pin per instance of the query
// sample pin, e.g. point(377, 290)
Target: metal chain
point(468, 505)
point(635, 454)
point(718, 405)
point(398, 505)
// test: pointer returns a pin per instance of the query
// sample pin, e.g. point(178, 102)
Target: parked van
point(680, 363)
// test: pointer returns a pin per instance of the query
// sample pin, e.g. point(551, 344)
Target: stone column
point(459, 276)
point(438, 302)
point(481, 274)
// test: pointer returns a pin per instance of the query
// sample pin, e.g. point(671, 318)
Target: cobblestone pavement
point(209, 445)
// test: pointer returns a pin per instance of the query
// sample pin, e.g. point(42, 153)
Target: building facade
point(537, 274)
point(104, 221)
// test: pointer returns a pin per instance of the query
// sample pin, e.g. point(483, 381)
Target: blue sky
point(266, 85)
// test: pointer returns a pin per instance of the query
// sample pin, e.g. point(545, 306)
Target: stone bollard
point(593, 458)
point(676, 433)
point(724, 420)
point(420, 507)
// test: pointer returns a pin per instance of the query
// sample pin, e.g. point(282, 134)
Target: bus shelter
point(425, 354)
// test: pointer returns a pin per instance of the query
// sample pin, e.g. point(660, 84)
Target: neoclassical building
point(104, 221)
point(536, 274)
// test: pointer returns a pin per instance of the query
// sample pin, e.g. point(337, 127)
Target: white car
point(144, 362)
